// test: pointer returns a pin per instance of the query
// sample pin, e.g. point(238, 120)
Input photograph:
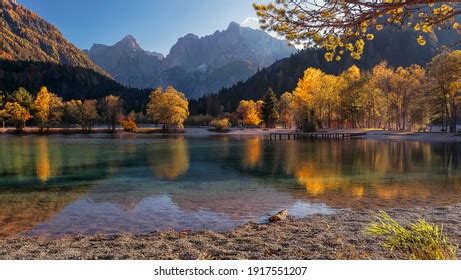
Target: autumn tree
point(48, 108)
point(111, 111)
point(249, 112)
point(319, 92)
point(327, 100)
point(444, 78)
point(269, 109)
point(350, 91)
point(409, 90)
point(352, 103)
point(168, 107)
point(71, 112)
point(83, 113)
point(373, 102)
point(344, 26)
point(17, 114)
point(286, 109)
point(129, 123)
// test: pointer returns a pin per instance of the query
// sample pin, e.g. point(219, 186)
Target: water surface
point(61, 185)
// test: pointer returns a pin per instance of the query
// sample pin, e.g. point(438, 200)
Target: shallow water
point(60, 185)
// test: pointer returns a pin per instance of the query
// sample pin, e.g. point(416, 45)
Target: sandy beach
point(338, 236)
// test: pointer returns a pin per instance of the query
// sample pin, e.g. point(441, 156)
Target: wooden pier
point(313, 135)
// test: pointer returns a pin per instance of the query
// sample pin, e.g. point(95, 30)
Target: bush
point(220, 124)
point(417, 241)
point(129, 123)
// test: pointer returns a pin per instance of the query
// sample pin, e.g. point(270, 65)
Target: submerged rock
point(280, 216)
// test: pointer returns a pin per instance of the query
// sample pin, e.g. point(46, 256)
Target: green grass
point(417, 241)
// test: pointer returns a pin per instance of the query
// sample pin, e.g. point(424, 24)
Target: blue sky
point(157, 24)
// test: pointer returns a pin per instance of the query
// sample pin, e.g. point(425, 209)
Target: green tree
point(23, 97)
point(269, 109)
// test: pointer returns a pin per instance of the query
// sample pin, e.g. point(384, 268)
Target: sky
point(156, 24)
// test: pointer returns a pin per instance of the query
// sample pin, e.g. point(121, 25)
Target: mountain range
point(27, 37)
point(196, 66)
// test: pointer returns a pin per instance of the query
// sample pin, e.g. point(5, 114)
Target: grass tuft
point(418, 241)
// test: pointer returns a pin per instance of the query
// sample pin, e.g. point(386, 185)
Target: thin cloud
point(251, 22)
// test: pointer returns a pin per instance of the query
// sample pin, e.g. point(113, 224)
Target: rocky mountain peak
point(129, 43)
point(233, 25)
point(196, 65)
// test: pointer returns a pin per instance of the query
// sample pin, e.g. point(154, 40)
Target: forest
point(402, 98)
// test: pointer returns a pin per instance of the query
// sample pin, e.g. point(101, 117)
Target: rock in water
point(280, 216)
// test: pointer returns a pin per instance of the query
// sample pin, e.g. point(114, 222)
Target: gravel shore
point(339, 236)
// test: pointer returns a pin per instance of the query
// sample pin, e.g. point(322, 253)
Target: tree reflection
point(383, 170)
point(42, 165)
point(171, 161)
point(252, 152)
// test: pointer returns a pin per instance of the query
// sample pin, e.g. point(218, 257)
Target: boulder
point(280, 216)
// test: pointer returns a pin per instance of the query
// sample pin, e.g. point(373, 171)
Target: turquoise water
point(61, 185)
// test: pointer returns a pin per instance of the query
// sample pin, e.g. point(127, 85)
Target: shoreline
point(337, 236)
point(205, 131)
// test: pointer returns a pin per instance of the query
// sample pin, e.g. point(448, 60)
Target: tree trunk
point(453, 117)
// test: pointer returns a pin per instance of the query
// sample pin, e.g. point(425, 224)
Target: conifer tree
point(269, 109)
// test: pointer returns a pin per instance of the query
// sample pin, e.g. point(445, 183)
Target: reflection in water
point(64, 185)
point(171, 161)
point(402, 173)
point(253, 151)
point(21, 211)
point(43, 166)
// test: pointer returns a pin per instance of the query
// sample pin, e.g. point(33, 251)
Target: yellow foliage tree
point(444, 72)
point(111, 108)
point(17, 114)
point(48, 108)
point(250, 112)
point(168, 107)
point(129, 123)
point(286, 109)
point(320, 92)
point(344, 26)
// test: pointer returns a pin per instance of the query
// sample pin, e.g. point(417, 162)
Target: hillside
point(398, 47)
point(66, 81)
point(27, 37)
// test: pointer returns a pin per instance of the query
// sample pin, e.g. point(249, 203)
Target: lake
point(60, 185)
